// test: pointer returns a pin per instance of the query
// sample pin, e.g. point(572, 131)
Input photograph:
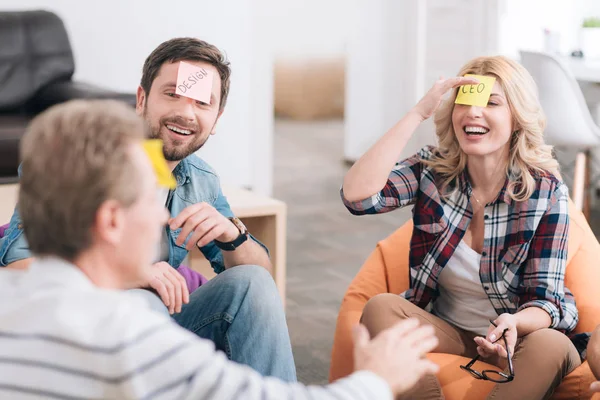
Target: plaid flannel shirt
point(525, 243)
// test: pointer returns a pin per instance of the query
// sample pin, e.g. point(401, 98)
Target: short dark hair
point(186, 49)
point(75, 156)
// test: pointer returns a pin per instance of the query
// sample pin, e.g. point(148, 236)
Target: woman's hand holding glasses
point(502, 328)
point(490, 345)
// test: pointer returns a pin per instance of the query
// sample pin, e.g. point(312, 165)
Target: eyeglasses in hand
point(490, 374)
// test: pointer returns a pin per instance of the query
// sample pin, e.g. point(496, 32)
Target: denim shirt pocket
point(177, 252)
point(184, 196)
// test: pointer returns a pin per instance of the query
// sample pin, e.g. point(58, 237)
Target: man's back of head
point(84, 175)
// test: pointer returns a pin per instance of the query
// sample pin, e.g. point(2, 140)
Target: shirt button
point(20, 226)
point(483, 253)
point(486, 287)
point(486, 216)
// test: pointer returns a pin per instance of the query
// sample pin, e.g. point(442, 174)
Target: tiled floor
point(326, 244)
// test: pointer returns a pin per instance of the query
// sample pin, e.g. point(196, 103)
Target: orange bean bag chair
point(386, 271)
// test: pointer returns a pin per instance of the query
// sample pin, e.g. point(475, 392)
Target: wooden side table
point(8, 200)
point(265, 219)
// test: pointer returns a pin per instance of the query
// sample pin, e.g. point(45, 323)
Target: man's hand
point(169, 284)
point(397, 354)
point(491, 345)
point(206, 223)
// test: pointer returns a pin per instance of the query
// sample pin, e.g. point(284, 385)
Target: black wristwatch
point(237, 242)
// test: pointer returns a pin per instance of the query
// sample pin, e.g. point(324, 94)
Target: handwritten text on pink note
point(194, 82)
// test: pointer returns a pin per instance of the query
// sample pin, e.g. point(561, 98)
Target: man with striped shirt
point(90, 209)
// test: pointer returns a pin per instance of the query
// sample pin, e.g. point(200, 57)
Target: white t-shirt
point(462, 300)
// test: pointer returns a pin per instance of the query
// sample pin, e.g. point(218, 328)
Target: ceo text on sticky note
point(476, 94)
point(194, 82)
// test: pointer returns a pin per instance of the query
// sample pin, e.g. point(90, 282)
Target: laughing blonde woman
point(489, 246)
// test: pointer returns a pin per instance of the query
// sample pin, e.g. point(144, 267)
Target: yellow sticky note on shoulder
point(154, 150)
point(476, 95)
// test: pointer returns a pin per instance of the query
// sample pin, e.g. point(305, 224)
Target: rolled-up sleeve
point(544, 274)
point(211, 251)
point(14, 246)
point(400, 189)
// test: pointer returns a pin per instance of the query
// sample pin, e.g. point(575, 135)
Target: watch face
point(238, 224)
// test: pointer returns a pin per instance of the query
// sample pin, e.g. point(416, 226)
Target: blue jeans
point(241, 312)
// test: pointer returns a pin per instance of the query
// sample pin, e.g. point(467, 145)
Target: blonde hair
point(75, 156)
point(528, 153)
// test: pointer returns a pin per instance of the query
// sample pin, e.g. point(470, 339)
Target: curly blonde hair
point(528, 154)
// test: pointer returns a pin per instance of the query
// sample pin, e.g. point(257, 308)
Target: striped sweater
point(62, 337)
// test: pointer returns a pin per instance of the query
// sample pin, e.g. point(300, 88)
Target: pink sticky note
point(194, 82)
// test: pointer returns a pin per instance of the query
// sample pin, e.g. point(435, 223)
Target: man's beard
point(173, 149)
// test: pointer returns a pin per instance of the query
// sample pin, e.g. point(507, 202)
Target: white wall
point(308, 28)
point(522, 23)
point(397, 51)
point(112, 38)
point(383, 62)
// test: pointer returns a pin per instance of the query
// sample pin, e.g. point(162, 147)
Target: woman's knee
point(380, 312)
point(547, 338)
point(380, 302)
point(554, 347)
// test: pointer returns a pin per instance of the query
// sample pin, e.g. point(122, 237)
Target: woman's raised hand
point(433, 98)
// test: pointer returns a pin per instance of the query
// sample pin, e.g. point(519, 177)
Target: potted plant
point(590, 37)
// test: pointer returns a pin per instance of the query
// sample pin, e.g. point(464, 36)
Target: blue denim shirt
point(197, 182)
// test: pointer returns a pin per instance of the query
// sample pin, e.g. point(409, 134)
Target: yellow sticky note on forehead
point(476, 95)
point(154, 150)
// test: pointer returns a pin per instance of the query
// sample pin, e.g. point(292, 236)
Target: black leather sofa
point(36, 70)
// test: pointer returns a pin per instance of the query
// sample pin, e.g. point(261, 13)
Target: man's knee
point(255, 283)
point(249, 272)
point(248, 276)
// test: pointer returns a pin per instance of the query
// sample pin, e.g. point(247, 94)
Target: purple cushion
point(193, 279)
point(3, 228)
